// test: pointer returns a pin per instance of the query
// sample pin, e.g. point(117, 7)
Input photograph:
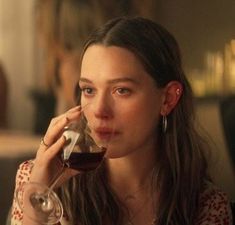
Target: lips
point(105, 133)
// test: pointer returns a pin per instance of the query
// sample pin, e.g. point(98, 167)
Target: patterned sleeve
point(215, 208)
point(22, 177)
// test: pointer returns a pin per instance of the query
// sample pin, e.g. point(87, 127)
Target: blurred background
point(40, 43)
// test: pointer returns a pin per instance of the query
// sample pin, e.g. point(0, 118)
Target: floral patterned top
point(215, 206)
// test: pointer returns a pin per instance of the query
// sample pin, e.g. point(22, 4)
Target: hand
point(47, 163)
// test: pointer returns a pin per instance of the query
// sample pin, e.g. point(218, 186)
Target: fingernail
point(78, 107)
point(68, 141)
point(64, 138)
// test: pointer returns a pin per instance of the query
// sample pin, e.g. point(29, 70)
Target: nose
point(103, 107)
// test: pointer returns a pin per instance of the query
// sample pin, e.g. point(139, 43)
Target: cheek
point(137, 133)
point(139, 120)
point(139, 111)
point(138, 126)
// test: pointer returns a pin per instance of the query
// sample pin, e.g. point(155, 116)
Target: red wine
point(85, 161)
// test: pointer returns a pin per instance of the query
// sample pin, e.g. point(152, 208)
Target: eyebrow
point(112, 81)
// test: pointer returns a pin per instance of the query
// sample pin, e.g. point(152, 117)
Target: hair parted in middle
point(181, 166)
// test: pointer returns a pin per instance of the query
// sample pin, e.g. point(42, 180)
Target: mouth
point(105, 133)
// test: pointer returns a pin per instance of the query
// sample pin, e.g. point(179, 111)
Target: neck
point(131, 172)
point(130, 178)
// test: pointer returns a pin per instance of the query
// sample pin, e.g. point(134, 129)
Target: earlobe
point(172, 94)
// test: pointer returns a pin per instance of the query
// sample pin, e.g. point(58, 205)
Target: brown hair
point(181, 160)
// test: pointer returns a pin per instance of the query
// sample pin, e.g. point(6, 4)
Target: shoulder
point(214, 207)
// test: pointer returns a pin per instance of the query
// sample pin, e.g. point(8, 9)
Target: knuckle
point(53, 120)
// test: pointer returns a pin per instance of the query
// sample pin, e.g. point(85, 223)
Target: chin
point(112, 155)
point(116, 153)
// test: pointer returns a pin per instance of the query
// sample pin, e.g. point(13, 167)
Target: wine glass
point(87, 144)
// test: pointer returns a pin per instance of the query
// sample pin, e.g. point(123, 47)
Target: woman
point(155, 169)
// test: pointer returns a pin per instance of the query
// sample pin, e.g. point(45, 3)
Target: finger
point(53, 132)
point(73, 115)
point(66, 114)
point(43, 144)
point(57, 125)
point(53, 151)
point(76, 108)
point(56, 131)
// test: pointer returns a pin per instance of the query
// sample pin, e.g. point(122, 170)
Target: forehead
point(112, 60)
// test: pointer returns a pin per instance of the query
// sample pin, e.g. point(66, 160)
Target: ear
point(171, 96)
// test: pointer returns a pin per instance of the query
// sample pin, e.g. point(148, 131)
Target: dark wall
point(199, 26)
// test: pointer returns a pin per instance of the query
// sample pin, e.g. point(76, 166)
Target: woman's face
point(122, 95)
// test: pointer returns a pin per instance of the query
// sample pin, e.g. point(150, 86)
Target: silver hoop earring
point(164, 124)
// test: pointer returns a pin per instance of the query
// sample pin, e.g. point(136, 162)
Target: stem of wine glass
point(56, 178)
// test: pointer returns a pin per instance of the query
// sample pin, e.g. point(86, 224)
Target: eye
point(87, 91)
point(123, 91)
